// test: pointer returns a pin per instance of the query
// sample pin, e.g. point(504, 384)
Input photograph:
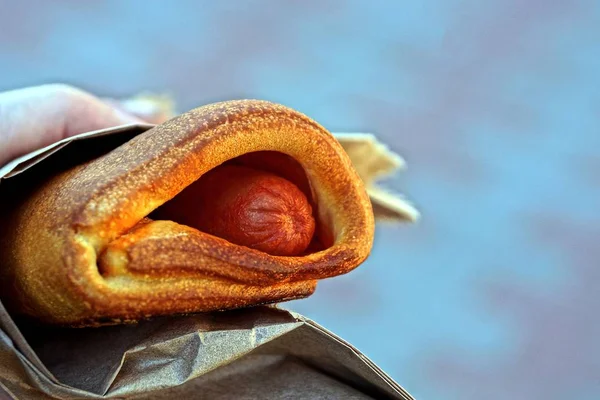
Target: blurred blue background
point(494, 104)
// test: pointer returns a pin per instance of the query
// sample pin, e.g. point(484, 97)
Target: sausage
point(248, 207)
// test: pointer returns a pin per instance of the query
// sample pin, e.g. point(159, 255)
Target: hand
point(35, 117)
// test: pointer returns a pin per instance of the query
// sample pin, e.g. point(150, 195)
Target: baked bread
point(121, 238)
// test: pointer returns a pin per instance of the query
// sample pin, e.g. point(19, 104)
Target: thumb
point(34, 117)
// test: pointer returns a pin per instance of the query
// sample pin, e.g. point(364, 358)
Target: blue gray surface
point(496, 107)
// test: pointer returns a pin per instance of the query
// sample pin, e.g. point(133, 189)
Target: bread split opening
point(262, 200)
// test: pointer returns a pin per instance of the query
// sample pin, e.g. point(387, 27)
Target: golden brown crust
point(80, 250)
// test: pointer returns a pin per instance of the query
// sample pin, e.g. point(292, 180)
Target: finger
point(34, 117)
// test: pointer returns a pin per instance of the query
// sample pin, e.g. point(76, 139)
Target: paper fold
point(173, 355)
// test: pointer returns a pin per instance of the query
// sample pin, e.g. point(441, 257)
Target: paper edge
point(297, 323)
point(394, 202)
point(360, 355)
point(13, 164)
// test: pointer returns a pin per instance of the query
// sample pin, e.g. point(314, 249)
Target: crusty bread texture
point(83, 248)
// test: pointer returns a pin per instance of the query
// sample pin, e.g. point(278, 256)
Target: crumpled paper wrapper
point(260, 352)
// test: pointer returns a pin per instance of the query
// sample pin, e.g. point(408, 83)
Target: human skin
point(34, 117)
